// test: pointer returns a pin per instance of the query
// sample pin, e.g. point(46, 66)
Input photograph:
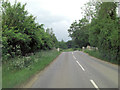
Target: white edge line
point(80, 66)
point(94, 84)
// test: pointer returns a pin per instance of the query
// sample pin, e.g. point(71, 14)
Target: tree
point(21, 34)
point(90, 9)
point(62, 44)
point(79, 33)
point(70, 44)
point(99, 28)
point(103, 31)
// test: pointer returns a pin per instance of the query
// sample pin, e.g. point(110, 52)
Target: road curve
point(78, 70)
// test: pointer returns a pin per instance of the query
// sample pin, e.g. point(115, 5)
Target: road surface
point(77, 70)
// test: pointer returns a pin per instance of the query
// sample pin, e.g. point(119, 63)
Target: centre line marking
point(80, 66)
point(94, 84)
point(74, 57)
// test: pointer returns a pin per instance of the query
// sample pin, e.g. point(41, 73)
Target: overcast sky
point(56, 14)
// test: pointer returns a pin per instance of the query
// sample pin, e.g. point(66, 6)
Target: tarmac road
point(78, 70)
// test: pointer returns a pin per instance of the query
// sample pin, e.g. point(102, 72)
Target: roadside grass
point(12, 78)
point(71, 49)
point(97, 54)
point(67, 50)
point(94, 53)
point(79, 49)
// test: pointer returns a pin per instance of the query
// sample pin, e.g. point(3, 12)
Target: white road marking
point(94, 84)
point(74, 57)
point(80, 66)
point(72, 52)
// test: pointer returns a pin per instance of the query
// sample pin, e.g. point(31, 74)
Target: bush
point(21, 34)
point(103, 56)
point(21, 63)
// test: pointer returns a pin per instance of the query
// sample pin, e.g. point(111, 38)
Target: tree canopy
point(98, 28)
point(21, 34)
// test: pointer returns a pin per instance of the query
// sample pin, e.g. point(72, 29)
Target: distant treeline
point(100, 27)
point(21, 34)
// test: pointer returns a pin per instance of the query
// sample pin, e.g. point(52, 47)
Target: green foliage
point(21, 34)
point(70, 44)
point(107, 10)
point(90, 9)
point(97, 54)
point(102, 30)
point(79, 33)
point(94, 53)
point(62, 45)
point(15, 73)
point(68, 50)
point(19, 63)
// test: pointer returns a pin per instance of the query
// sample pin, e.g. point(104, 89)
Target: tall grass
point(97, 54)
point(13, 77)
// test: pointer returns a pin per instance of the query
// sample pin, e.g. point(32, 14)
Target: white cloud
point(59, 29)
point(56, 14)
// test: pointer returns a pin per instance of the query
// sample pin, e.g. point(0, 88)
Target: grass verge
point(71, 49)
point(67, 50)
point(12, 78)
point(97, 54)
